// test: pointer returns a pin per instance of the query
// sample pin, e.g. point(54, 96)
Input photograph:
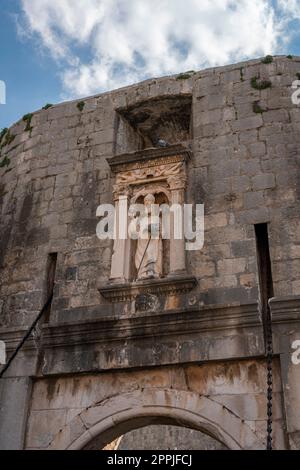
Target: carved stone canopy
point(150, 166)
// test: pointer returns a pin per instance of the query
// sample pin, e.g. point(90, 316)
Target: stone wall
point(163, 437)
point(244, 167)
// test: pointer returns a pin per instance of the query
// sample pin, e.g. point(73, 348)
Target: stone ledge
point(180, 336)
point(13, 335)
point(124, 292)
point(118, 162)
point(285, 309)
point(188, 321)
point(183, 336)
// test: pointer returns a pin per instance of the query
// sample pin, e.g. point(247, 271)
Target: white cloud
point(105, 44)
point(290, 7)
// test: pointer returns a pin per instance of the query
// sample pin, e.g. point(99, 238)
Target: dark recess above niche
point(166, 117)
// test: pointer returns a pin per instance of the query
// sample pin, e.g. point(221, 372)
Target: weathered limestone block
point(264, 181)
point(14, 401)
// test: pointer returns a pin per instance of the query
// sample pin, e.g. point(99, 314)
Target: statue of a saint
point(148, 256)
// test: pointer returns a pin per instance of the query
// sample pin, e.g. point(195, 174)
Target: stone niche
point(144, 270)
point(143, 124)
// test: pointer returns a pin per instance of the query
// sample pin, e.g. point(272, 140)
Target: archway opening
point(155, 433)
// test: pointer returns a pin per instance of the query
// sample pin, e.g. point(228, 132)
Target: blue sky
point(53, 50)
point(31, 79)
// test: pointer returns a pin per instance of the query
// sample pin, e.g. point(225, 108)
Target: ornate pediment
point(149, 157)
point(149, 166)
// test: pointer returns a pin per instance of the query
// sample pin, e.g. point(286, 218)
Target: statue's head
point(149, 199)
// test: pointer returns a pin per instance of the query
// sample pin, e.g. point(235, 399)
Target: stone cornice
point(285, 310)
point(177, 322)
point(116, 341)
point(166, 286)
point(123, 161)
point(173, 337)
point(13, 335)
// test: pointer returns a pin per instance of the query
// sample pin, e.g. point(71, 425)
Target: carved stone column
point(120, 262)
point(177, 186)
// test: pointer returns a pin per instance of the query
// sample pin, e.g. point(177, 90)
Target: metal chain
point(269, 354)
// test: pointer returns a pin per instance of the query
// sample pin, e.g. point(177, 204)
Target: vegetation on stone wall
point(185, 75)
point(6, 138)
point(2, 133)
point(27, 118)
point(268, 59)
point(47, 106)
point(2, 136)
point(81, 105)
point(242, 74)
point(259, 84)
point(4, 162)
point(257, 108)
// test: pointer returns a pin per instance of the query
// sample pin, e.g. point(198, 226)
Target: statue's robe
point(148, 256)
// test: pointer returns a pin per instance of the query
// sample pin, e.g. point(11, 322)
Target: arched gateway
point(98, 425)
